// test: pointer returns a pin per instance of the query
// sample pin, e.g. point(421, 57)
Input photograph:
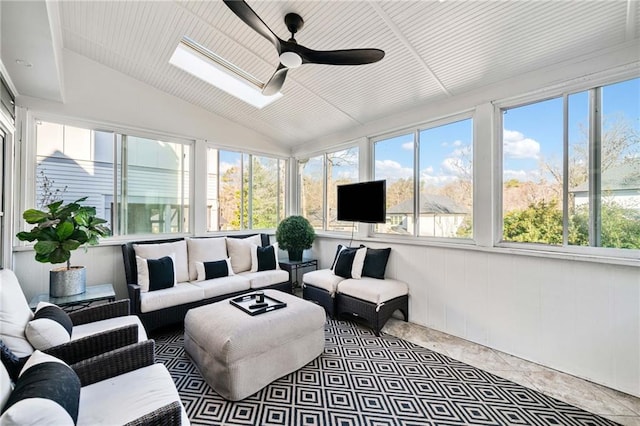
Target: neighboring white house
point(440, 216)
point(620, 184)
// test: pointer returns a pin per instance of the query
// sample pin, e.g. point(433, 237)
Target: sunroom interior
point(480, 114)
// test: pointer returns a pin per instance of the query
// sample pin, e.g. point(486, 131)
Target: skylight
point(207, 66)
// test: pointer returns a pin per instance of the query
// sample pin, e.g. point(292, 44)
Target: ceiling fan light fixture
point(290, 59)
point(200, 62)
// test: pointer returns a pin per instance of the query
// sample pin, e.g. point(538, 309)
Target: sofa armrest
point(115, 363)
point(134, 297)
point(119, 308)
point(96, 344)
point(170, 414)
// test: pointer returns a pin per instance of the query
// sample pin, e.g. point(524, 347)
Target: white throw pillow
point(239, 250)
point(51, 326)
point(143, 272)
point(15, 314)
point(202, 275)
point(205, 250)
point(156, 251)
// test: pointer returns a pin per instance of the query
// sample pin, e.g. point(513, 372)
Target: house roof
point(429, 204)
point(622, 177)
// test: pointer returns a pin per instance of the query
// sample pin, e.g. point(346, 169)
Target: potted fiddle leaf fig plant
point(295, 234)
point(59, 230)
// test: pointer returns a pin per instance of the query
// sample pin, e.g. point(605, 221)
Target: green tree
point(541, 222)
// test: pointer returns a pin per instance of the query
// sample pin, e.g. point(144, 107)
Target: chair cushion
point(156, 251)
point(324, 279)
point(47, 392)
point(15, 314)
point(350, 262)
point(266, 278)
point(51, 326)
point(91, 328)
point(205, 250)
point(179, 294)
point(223, 285)
point(373, 290)
point(239, 250)
point(124, 398)
point(375, 262)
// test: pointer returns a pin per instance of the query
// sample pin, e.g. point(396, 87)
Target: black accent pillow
point(11, 362)
point(344, 262)
point(55, 313)
point(335, 258)
point(266, 258)
point(161, 273)
point(216, 269)
point(45, 379)
point(375, 262)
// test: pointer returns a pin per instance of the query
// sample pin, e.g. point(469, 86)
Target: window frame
point(562, 91)
point(415, 130)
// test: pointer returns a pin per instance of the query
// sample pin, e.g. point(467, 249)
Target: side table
point(293, 266)
point(94, 293)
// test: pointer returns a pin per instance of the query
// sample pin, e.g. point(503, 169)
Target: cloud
point(224, 166)
point(408, 146)
point(521, 175)
point(454, 143)
point(389, 169)
point(517, 146)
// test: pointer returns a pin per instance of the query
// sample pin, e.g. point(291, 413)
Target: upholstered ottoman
point(239, 354)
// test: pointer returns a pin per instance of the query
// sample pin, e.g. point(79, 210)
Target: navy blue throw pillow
point(11, 362)
point(161, 273)
point(217, 269)
point(375, 262)
point(55, 313)
point(47, 380)
point(266, 258)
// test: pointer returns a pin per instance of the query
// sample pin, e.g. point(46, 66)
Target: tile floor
point(606, 402)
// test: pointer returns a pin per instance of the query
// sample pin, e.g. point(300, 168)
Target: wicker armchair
point(95, 329)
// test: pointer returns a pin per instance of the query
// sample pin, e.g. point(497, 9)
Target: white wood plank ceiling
point(434, 50)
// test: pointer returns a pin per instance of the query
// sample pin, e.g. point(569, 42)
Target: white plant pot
point(67, 282)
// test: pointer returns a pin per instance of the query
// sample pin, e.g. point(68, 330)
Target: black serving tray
point(243, 303)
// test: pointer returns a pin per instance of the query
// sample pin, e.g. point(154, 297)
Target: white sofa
point(165, 306)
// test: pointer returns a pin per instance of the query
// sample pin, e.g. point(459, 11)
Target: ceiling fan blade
point(251, 18)
point(340, 57)
point(276, 81)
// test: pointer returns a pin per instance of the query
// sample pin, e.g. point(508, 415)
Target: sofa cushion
point(373, 290)
point(214, 269)
point(239, 250)
point(324, 279)
point(205, 250)
point(95, 327)
point(51, 326)
point(15, 314)
point(47, 392)
point(179, 294)
point(266, 278)
point(350, 262)
point(141, 392)
point(156, 274)
point(156, 251)
point(264, 258)
point(375, 262)
point(224, 285)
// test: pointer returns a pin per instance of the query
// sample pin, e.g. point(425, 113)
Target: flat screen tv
point(363, 202)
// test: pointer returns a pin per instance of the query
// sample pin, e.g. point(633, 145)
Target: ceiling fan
point(292, 54)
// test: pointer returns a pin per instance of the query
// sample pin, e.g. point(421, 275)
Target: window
point(139, 185)
point(334, 168)
point(571, 169)
point(434, 167)
point(244, 191)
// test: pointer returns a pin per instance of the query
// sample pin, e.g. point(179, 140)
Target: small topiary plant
point(295, 234)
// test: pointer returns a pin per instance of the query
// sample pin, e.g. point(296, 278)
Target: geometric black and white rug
point(361, 379)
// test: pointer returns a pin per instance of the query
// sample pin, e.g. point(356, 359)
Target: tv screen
point(363, 202)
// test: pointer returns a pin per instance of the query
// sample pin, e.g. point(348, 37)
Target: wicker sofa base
point(175, 314)
point(320, 297)
point(376, 317)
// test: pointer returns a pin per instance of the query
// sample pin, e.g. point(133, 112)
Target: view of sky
point(532, 133)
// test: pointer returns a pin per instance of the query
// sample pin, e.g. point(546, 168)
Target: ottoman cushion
point(239, 354)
